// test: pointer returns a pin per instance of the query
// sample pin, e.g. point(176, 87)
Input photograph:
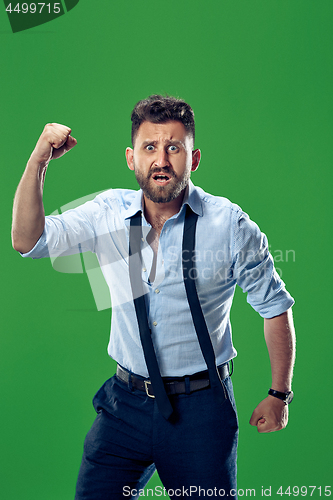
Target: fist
point(270, 415)
point(54, 142)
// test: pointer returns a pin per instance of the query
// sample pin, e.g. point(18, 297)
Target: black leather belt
point(177, 385)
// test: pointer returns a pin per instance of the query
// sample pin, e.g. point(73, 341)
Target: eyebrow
point(167, 142)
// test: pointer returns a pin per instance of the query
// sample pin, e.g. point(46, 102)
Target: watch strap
point(286, 397)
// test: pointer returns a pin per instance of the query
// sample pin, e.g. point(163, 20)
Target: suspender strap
point(189, 274)
point(135, 266)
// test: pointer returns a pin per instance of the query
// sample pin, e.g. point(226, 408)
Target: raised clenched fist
point(54, 142)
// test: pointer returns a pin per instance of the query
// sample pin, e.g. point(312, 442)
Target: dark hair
point(160, 109)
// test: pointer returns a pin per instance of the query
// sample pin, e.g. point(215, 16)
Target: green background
point(258, 74)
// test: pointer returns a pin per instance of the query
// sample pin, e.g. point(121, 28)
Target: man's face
point(162, 160)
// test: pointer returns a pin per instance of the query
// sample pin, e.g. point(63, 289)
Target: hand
point(54, 142)
point(270, 415)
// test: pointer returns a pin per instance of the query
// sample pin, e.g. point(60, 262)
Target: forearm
point(272, 413)
point(28, 211)
point(280, 340)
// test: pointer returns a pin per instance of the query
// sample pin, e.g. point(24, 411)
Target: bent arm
point(28, 210)
point(272, 414)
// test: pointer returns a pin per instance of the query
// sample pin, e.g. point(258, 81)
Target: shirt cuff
point(39, 250)
point(278, 305)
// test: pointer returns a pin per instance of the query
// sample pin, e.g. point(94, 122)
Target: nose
point(162, 159)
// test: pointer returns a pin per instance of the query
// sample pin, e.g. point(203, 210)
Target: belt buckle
point(146, 382)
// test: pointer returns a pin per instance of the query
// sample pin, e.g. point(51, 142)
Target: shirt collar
point(135, 206)
point(191, 198)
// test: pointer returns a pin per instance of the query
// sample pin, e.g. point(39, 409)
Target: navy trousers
point(193, 452)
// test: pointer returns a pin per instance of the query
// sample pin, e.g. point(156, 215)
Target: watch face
point(289, 397)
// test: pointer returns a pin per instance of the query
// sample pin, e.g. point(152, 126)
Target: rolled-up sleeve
point(254, 270)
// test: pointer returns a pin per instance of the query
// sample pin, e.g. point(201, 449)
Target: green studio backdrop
point(258, 74)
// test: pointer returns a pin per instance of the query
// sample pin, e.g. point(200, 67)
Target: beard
point(162, 194)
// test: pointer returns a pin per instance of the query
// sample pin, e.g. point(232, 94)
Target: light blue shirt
point(230, 249)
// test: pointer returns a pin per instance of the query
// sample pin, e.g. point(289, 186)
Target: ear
point(196, 155)
point(129, 158)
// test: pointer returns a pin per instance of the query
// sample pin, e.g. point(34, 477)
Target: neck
point(157, 213)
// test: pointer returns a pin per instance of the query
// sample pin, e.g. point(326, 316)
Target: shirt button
point(142, 239)
point(155, 323)
point(157, 290)
point(144, 269)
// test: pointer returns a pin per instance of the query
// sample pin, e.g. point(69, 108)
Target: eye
point(150, 147)
point(173, 148)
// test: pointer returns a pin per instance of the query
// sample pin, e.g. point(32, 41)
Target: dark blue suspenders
point(135, 266)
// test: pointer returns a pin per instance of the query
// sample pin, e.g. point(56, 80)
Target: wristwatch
point(286, 397)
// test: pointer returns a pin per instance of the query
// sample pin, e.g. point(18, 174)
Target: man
point(171, 255)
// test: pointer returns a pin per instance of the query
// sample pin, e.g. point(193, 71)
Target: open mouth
point(161, 178)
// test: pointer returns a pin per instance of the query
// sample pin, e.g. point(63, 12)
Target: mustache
point(165, 170)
